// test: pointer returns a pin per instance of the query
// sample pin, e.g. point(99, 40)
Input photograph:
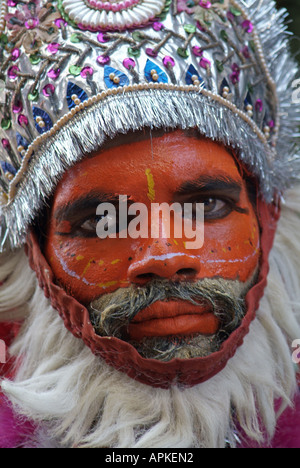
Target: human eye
point(88, 228)
point(216, 208)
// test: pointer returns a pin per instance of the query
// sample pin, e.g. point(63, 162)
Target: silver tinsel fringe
point(89, 129)
point(135, 110)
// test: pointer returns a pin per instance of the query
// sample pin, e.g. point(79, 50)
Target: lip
point(173, 318)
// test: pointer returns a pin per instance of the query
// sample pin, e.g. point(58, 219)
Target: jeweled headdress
point(75, 72)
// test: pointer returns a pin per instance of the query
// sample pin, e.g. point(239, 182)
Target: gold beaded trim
point(3, 11)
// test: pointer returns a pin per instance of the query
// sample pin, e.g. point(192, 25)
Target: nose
point(172, 265)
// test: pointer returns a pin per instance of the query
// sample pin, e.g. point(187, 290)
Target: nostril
point(186, 272)
point(146, 276)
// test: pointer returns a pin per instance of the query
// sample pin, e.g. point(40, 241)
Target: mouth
point(165, 318)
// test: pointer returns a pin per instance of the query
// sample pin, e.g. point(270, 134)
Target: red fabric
point(287, 433)
point(122, 355)
point(8, 332)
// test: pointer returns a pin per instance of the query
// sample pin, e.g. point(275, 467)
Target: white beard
point(80, 401)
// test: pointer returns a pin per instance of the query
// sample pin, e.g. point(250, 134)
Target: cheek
point(231, 249)
point(89, 268)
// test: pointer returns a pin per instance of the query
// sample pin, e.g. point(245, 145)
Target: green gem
point(189, 28)
point(51, 30)
point(220, 66)
point(33, 96)
point(182, 52)
point(134, 52)
point(3, 39)
point(224, 35)
point(5, 124)
point(75, 70)
point(137, 36)
point(75, 38)
point(252, 45)
point(35, 59)
point(250, 88)
point(235, 11)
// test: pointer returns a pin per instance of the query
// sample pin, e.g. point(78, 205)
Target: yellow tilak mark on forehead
point(150, 180)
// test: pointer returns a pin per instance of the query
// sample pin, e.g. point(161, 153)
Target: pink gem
point(235, 77)
point(157, 26)
point(31, 23)
point(13, 72)
point(246, 52)
point(248, 26)
point(53, 47)
point(230, 15)
point(5, 143)
point(101, 37)
point(235, 68)
point(259, 105)
point(200, 27)
point(205, 4)
point(168, 61)
point(53, 74)
point(17, 107)
point(103, 59)
point(86, 72)
point(60, 22)
point(15, 54)
point(128, 62)
point(151, 52)
point(271, 124)
point(23, 121)
point(197, 51)
point(204, 63)
point(48, 90)
point(11, 3)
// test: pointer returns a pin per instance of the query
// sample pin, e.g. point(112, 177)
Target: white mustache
point(111, 313)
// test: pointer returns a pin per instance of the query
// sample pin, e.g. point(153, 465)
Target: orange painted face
point(171, 167)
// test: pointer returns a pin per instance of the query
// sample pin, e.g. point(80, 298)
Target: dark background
point(293, 7)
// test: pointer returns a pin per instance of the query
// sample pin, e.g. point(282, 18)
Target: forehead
point(172, 158)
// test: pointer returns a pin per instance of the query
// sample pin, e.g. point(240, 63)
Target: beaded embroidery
point(57, 59)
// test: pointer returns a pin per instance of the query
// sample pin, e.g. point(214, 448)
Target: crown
point(75, 72)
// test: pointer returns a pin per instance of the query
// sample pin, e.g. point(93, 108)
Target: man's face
point(172, 167)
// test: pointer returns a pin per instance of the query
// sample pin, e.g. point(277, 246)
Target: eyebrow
point(212, 184)
point(88, 203)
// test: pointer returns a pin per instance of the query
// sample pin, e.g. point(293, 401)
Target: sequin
point(161, 75)
point(192, 75)
point(42, 120)
point(114, 78)
point(75, 95)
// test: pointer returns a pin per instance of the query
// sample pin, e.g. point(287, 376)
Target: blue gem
point(154, 73)
point(21, 141)
point(42, 120)
point(193, 72)
point(74, 90)
point(114, 78)
point(6, 167)
point(224, 84)
point(248, 100)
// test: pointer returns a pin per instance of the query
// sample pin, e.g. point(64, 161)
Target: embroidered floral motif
point(31, 25)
